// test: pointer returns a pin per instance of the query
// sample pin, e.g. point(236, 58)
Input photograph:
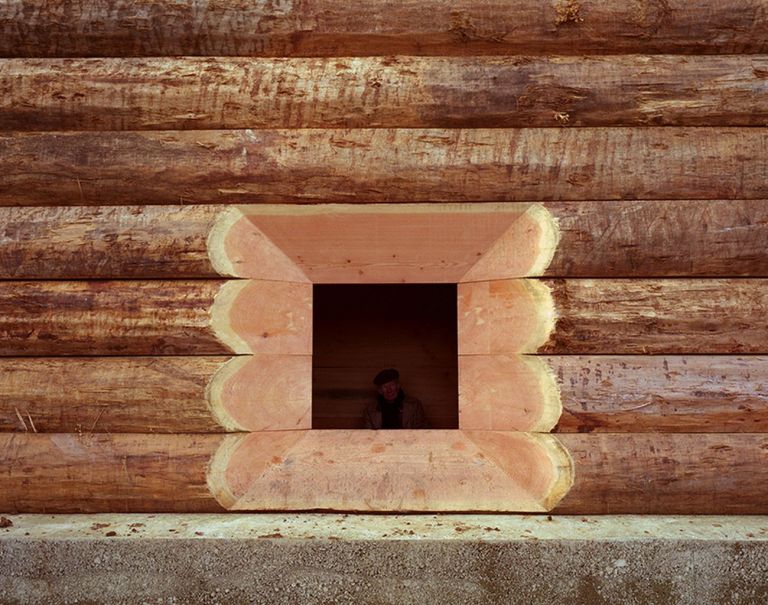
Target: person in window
point(393, 409)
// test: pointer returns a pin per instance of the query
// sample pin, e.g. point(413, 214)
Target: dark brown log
point(155, 394)
point(667, 474)
point(379, 27)
point(209, 93)
point(106, 473)
point(639, 474)
point(638, 316)
point(154, 318)
point(377, 165)
point(636, 394)
point(621, 239)
point(661, 238)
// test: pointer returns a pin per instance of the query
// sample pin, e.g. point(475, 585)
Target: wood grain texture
point(154, 318)
point(380, 165)
point(661, 238)
point(87, 473)
point(614, 473)
point(379, 27)
point(669, 393)
point(155, 394)
point(667, 474)
point(659, 316)
point(642, 238)
point(401, 92)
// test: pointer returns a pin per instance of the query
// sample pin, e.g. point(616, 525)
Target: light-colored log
point(382, 470)
point(639, 316)
point(155, 394)
point(380, 165)
point(401, 92)
point(155, 317)
point(379, 27)
point(433, 243)
point(667, 474)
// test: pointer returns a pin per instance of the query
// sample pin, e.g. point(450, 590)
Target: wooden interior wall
point(641, 127)
point(359, 330)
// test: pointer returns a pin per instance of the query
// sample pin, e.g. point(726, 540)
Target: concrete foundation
point(444, 559)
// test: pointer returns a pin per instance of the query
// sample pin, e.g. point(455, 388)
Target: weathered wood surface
point(379, 27)
point(155, 394)
point(622, 316)
point(667, 474)
point(379, 165)
point(641, 238)
point(155, 318)
point(401, 92)
point(100, 472)
point(614, 473)
point(670, 393)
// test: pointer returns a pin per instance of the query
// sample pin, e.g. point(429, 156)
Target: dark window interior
point(361, 329)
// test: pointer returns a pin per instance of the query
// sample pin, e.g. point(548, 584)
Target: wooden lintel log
point(667, 474)
point(623, 316)
point(379, 27)
point(155, 318)
point(612, 473)
point(155, 394)
point(614, 393)
point(79, 168)
point(399, 92)
point(622, 238)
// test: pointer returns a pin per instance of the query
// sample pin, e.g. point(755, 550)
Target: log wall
point(592, 175)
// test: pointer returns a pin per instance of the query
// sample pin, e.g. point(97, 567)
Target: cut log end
point(507, 393)
point(402, 471)
point(262, 392)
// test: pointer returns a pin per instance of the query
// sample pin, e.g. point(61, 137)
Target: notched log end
point(221, 316)
point(262, 393)
point(525, 249)
point(238, 248)
point(507, 393)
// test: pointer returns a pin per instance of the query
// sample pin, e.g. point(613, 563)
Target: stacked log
point(604, 218)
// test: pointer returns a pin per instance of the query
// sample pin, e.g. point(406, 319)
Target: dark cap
point(386, 376)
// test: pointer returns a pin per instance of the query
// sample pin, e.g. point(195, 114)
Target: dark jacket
point(411, 412)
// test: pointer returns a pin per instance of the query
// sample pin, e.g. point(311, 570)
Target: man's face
point(389, 390)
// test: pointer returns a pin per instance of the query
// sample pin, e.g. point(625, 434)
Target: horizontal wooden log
point(379, 165)
point(614, 393)
point(640, 316)
point(612, 473)
point(667, 474)
point(399, 92)
point(379, 27)
point(155, 394)
point(155, 318)
point(621, 239)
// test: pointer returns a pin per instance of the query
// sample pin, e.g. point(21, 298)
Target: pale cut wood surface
point(405, 92)
point(155, 394)
point(380, 165)
point(660, 394)
point(614, 473)
point(641, 238)
point(667, 474)
point(618, 316)
point(154, 317)
point(379, 27)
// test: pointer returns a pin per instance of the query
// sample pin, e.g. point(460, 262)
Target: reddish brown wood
point(202, 93)
point(667, 474)
point(378, 165)
point(379, 27)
